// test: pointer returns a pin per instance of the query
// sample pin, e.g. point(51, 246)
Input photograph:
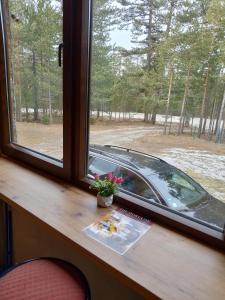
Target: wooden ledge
point(162, 264)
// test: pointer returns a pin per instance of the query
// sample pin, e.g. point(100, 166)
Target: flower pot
point(104, 201)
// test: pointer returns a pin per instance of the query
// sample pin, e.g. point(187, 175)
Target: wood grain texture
point(2, 239)
point(163, 263)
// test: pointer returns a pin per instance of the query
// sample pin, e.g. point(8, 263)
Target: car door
point(133, 183)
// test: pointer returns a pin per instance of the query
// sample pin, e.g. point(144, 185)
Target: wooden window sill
point(162, 264)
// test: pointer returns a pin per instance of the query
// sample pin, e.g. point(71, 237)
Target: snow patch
point(199, 161)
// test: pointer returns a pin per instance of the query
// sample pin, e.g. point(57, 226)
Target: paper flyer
point(118, 230)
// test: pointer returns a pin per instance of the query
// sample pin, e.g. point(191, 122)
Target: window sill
point(163, 263)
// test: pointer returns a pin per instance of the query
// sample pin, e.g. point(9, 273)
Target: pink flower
point(114, 179)
point(110, 175)
point(96, 177)
point(120, 180)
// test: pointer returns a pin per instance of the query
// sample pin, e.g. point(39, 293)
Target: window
point(139, 85)
point(35, 86)
point(157, 104)
point(34, 31)
point(34, 35)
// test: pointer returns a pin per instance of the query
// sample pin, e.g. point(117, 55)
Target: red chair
point(44, 279)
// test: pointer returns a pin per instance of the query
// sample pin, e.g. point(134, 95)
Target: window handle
point(60, 54)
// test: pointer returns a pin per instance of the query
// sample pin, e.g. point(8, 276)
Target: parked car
point(151, 179)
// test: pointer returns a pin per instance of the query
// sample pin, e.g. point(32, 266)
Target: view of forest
point(34, 33)
point(157, 76)
point(174, 67)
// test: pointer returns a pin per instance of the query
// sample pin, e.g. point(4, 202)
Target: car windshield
point(178, 190)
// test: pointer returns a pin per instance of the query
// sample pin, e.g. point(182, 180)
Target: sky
point(121, 38)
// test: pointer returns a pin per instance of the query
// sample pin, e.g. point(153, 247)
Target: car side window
point(135, 184)
point(132, 182)
point(100, 167)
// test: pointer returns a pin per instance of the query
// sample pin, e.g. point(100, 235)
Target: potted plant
point(106, 188)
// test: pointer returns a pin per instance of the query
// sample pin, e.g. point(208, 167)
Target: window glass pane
point(132, 183)
point(157, 87)
point(34, 31)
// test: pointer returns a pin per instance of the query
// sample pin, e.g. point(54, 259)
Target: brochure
point(118, 230)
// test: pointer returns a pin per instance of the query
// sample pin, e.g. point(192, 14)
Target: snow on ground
point(202, 162)
point(160, 119)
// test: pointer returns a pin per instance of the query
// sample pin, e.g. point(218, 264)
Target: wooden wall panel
point(2, 237)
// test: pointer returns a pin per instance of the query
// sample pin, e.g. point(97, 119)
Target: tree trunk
point(212, 130)
point(222, 131)
point(192, 122)
point(203, 103)
point(146, 111)
point(27, 114)
point(217, 118)
point(49, 94)
point(187, 121)
point(171, 122)
point(219, 130)
point(205, 115)
point(204, 124)
point(102, 109)
point(170, 16)
point(35, 88)
point(149, 54)
point(146, 116)
point(211, 122)
point(186, 88)
point(168, 98)
point(153, 118)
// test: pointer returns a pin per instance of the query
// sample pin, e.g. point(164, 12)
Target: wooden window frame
point(29, 156)
point(77, 46)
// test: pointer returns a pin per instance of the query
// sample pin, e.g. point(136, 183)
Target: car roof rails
point(135, 151)
point(99, 151)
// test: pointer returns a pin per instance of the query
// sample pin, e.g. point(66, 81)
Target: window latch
point(60, 54)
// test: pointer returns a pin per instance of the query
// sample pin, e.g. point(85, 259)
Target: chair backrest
point(44, 275)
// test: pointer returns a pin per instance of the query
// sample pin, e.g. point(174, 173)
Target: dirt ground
point(147, 138)
point(201, 159)
point(47, 139)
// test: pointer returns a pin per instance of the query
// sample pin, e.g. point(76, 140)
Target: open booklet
point(118, 230)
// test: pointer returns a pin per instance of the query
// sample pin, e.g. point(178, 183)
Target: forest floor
point(203, 160)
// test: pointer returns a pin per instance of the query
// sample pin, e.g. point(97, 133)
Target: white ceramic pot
point(104, 201)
